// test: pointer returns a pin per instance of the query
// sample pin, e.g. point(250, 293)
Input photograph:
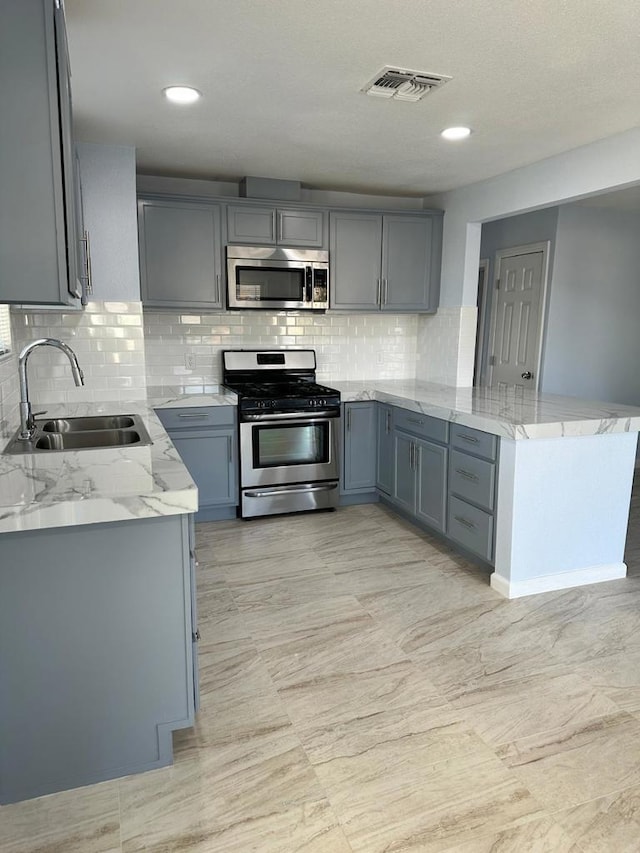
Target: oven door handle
point(293, 490)
point(312, 415)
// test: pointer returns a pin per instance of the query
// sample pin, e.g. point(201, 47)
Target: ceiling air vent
point(402, 84)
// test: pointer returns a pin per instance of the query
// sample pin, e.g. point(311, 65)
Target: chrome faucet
point(27, 423)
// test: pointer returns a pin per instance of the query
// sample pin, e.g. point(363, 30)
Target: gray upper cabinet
point(410, 263)
point(388, 262)
point(180, 254)
point(272, 226)
point(354, 260)
point(38, 229)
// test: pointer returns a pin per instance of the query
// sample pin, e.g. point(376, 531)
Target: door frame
point(500, 255)
point(479, 368)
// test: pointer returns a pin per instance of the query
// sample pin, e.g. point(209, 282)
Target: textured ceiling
point(281, 82)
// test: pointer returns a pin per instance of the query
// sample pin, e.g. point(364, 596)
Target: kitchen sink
point(83, 433)
point(84, 440)
point(101, 422)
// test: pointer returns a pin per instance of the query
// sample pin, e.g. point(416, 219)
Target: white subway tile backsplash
point(122, 349)
point(107, 338)
point(346, 345)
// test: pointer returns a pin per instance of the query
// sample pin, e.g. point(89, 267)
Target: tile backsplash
point(348, 346)
point(446, 345)
point(107, 338)
point(123, 350)
point(9, 394)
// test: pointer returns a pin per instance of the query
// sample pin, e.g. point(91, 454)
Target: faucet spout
point(27, 423)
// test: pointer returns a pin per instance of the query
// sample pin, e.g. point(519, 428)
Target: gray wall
point(109, 199)
point(593, 342)
point(535, 227)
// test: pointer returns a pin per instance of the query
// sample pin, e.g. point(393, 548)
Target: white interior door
point(517, 315)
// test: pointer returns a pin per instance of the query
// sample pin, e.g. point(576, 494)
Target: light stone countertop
point(218, 395)
point(509, 414)
point(114, 484)
point(59, 489)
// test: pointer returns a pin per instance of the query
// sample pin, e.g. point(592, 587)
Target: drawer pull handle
point(415, 421)
point(192, 416)
point(470, 438)
point(464, 522)
point(466, 474)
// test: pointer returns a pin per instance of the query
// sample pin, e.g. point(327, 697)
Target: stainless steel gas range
point(289, 431)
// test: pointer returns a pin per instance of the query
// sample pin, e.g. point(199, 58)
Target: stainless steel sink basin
point(83, 424)
point(88, 433)
point(84, 440)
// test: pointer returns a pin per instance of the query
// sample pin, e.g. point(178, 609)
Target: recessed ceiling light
point(182, 94)
point(456, 132)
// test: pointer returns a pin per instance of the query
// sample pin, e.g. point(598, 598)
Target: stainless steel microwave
point(277, 278)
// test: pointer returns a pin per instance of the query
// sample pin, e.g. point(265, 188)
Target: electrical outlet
point(189, 360)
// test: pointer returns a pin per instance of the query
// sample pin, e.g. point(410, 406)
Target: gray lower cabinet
point(180, 249)
point(271, 226)
point(38, 206)
point(420, 478)
point(207, 440)
point(97, 659)
point(385, 262)
point(384, 462)
point(472, 490)
point(359, 448)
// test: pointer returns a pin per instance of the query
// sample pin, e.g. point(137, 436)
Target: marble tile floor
point(363, 689)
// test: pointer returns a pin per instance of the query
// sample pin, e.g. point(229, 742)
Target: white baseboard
point(563, 580)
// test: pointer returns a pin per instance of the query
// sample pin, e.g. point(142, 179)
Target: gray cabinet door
point(38, 235)
point(359, 447)
point(406, 263)
point(404, 475)
point(268, 226)
point(301, 228)
point(252, 225)
point(209, 456)
point(180, 258)
point(384, 467)
point(355, 241)
point(431, 493)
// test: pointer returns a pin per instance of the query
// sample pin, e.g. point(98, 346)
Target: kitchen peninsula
point(564, 476)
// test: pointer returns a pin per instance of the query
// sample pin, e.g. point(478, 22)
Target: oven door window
point(270, 284)
point(275, 446)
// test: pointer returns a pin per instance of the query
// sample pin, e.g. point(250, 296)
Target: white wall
point(592, 346)
point(608, 164)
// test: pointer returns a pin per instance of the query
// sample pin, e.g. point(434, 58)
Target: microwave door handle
point(309, 284)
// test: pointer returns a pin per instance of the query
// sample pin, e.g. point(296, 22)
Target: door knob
point(527, 374)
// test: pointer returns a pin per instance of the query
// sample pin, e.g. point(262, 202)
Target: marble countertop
point(115, 484)
point(159, 398)
point(509, 414)
point(89, 486)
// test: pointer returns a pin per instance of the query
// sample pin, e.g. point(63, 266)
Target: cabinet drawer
point(421, 425)
point(196, 416)
point(471, 527)
point(474, 441)
point(472, 479)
